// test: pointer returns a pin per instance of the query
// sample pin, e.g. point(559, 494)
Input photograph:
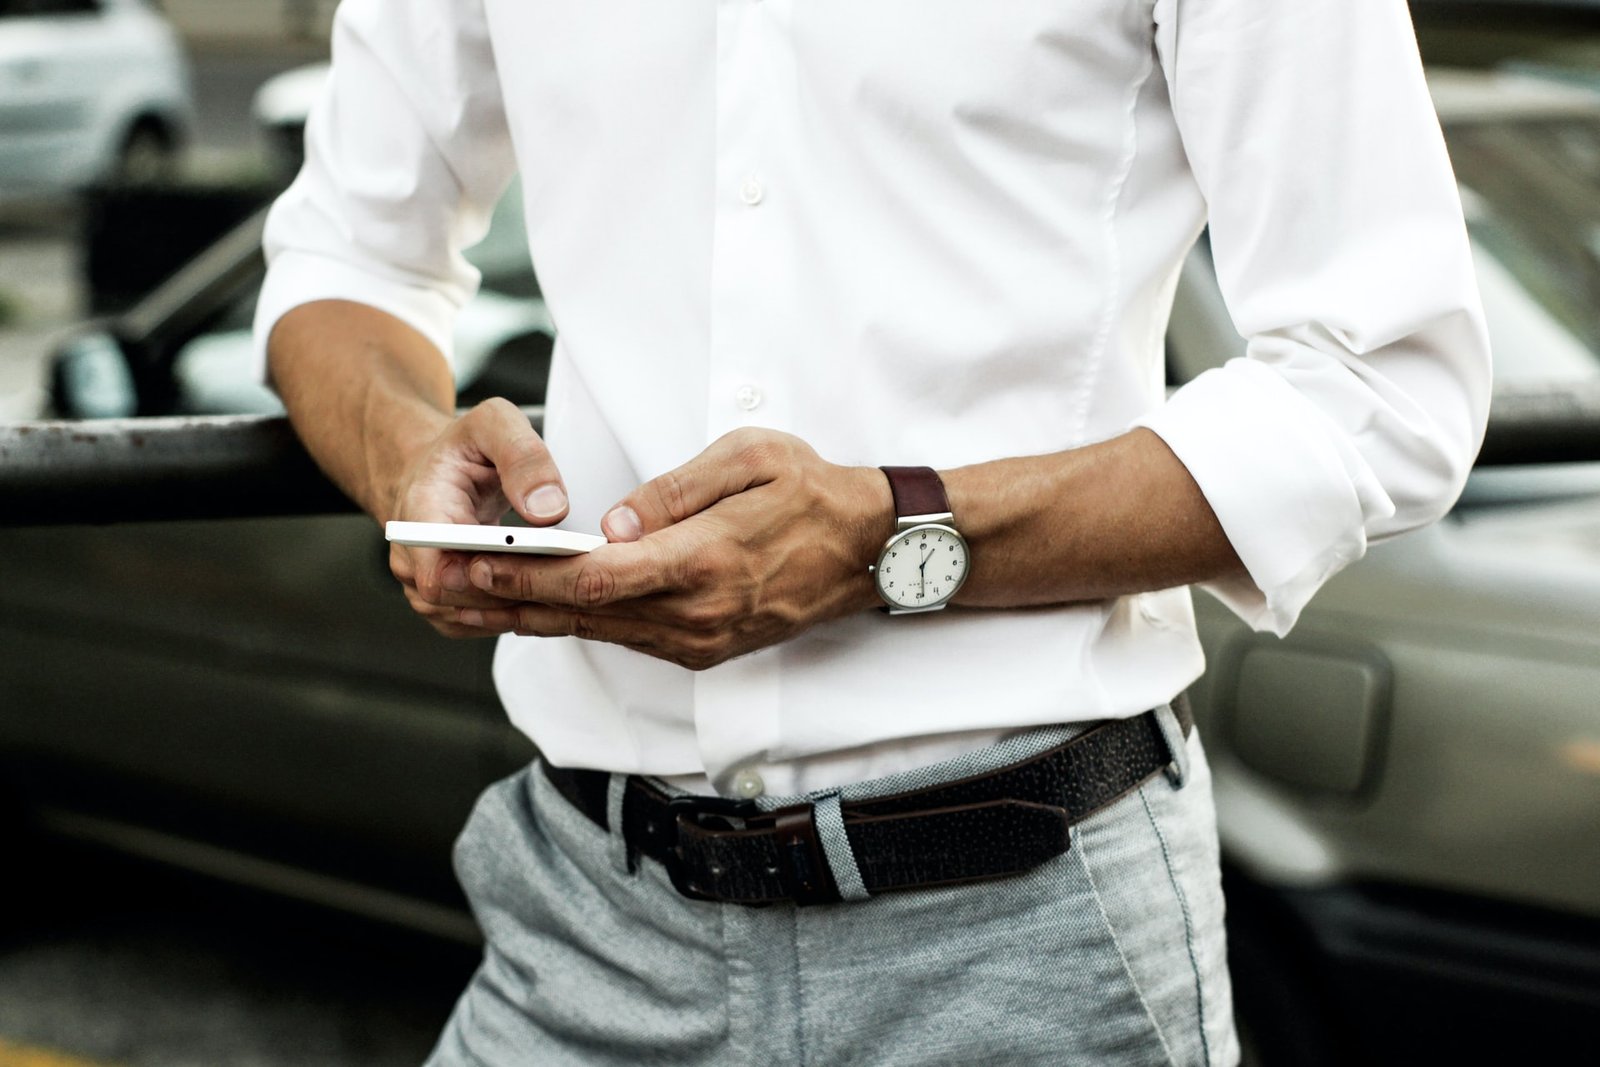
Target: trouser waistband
point(990, 825)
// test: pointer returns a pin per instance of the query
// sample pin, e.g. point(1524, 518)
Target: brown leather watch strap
point(917, 491)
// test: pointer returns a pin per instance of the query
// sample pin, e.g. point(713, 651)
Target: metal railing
point(253, 466)
point(144, 469)
point(1543, 424)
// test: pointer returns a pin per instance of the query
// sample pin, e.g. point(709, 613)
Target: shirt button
point(751, 192)
point(748, 784)
point(748, 397)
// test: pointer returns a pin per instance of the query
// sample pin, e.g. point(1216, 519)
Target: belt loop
point(624, 860)
point(1177, 747)
point(836, 847)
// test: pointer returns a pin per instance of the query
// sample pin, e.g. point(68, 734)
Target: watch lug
point(906, 522)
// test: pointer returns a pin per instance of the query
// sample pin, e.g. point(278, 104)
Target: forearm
point(1122, 516)
point(365, 392)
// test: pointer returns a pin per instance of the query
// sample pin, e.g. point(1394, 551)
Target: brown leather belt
point(991, 825)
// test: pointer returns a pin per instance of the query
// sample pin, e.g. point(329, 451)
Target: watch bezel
point(912, 524)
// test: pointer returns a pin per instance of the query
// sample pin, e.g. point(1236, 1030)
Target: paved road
point(108, 962)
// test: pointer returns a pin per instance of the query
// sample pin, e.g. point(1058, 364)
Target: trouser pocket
point(1154, 864)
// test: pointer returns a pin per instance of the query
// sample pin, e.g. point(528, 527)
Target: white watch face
point(922, 567)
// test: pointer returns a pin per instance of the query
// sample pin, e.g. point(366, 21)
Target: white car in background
point(90, 91)
point(280, 109)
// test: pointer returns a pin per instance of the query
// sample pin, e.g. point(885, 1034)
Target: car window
point(29, 8)
point(1531, 190)
point(1550, 38)
point(502, 256)
point(1530, 343)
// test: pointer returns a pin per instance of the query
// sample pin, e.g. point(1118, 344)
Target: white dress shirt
point(921, 232)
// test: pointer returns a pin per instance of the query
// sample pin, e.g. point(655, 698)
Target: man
point(788, 243)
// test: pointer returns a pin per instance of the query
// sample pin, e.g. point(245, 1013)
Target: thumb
point(733, 463)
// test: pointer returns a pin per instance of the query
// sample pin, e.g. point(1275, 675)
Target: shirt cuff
point(298, 277)
point(1269, 464)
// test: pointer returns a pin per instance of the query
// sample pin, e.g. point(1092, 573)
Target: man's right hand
point(485, 462)
point(374, 402)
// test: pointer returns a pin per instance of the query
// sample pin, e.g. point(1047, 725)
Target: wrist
point(871, 524)
point(365, 393)
point(397, 448)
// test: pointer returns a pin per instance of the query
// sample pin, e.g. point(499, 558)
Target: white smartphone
point(464, 537)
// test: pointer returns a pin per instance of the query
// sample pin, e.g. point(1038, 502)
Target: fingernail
point(622, 524)
point(471, 617)
point(454, 578)
point(482, 575)
point(547, 501)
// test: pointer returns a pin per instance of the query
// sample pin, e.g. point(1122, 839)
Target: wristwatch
point(924, 563)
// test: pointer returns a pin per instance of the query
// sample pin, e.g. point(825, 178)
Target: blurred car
point(90, 91)
point(280, 108)
point(186, 347)
point(245, 699)
point(1408, 785)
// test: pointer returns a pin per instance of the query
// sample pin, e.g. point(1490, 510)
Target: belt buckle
point(696, 810)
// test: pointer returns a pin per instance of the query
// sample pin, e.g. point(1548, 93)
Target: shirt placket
point(736, 704)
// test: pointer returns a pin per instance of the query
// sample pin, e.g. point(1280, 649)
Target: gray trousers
point(1112, 953)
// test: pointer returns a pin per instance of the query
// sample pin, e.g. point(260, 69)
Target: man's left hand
point(750, 543)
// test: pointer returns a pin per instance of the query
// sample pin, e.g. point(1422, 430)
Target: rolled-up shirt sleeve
point(407, 151)
point(1338, 237)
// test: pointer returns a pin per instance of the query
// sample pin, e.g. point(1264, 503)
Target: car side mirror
point(90, 378)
